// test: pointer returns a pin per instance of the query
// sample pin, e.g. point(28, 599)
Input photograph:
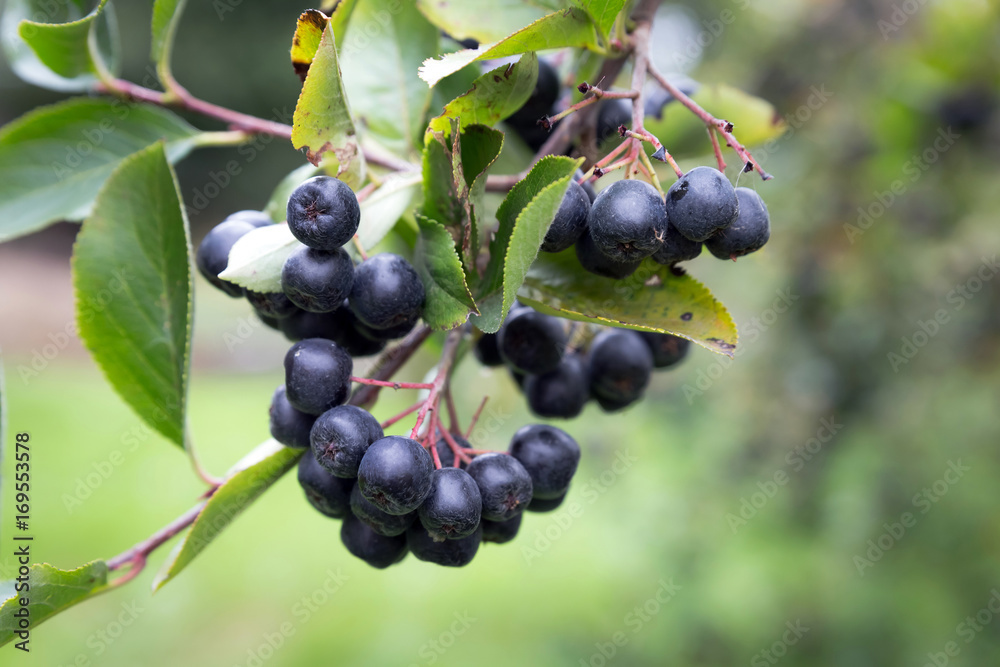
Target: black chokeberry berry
point(451, 553)
point(544, 95)
point(317, 375)
point(570, 221)
point(500, 532)
point(596, 262)
point(620, 366)
point(213, 253)
point(532, 342)
point(255, 218)
point(387, 292)
point(447, 456)
point(340, 437)
point(667, 349)
point(381, 522)
point(271, 304)
point(376, 550)
point(328, 494)
point(748, 233)
point(504, 485)
point(395, 474)
point(549, 455)
point(546, 504)
point(627, 220)
point(486, 350)
point(383, 335)
point(317, 280)
point(454, 506)
point(587, 186)
point(559, 393)
point(323, 213)
point(676, 247)
point(289, 426)
point(612, 114)
point(701, 203)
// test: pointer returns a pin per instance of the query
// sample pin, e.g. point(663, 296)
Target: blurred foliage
point(820, 310)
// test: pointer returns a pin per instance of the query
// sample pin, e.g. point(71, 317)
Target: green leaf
point(567, 27)
point(524, 216)
point(481, 148)
point(604, 12)
point(166, 16)
point(73, 49)
point(52, 591)
point(380, 72)
point(651, 299)
point(339, 19)
point(132, 276)
point(493, 97)
point(322, 122)
point(449, 300)
point(305, 42)
point(248, 480)
point(383, 208)
point(467, 20)
point(54, 159)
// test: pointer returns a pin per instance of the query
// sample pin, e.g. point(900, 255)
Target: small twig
point(459, 451)
point(402, 415)
point(452, 412)
point(475, 417)
point(394, 385)
point(451, 345)
point(137, 554)
point(715, 147)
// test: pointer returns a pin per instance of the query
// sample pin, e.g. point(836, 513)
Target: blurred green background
point(818, 501)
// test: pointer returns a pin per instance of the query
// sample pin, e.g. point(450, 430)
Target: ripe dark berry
point(447, 455)
point(612, 114)
point(271, 304)
point(676, 248)
point(340, 437)
point(317, 280)
point(454, 506)
point(395, 474)
point(748, 233)
point(383, 335)
point(328, 494)
point(504, 485)
point(387, 292)
point(587, 186)
point(381, 522)
point(486, 350)
point(376, 550)
point(620, 366)
point(612, 404)
point(289, 426)
point(570, 221)
point(546, 504)
point(255, 218)
point(500, 532)
point(323, 213)
point(317, 375)
point(532, 342)
point(627, 220)
point(560, 393)
point(549, 455)
point(213, 253)
point(544, 95)
point(667, 349)
point(701, 203)
point(596, 262)
point(451, 553)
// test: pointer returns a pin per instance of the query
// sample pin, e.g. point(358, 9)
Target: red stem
point(715, 146)
point(394, 385)
point(441, 379)
point(408, 411)
point(475, 417)
point(137, 554)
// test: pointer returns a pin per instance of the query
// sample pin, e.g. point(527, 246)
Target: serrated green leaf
point(305, 42)
point(255, 260)
point(467, 20)
point(481, 146)
point(445, 190)
point(389, 100)
point(493, 97)
point(567, 27)
point(66, 48)
point(166, 16)
point(449, 301)
point(604, 12)
point(524, 217)
point(321, 125)
point(651, 299)
point(133, 283)
point(55, 159)
point(248, 480)
point(51, 591)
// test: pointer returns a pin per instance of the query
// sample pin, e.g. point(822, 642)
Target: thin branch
point(137, 554)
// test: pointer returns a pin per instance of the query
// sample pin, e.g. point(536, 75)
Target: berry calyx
point(323, 213)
